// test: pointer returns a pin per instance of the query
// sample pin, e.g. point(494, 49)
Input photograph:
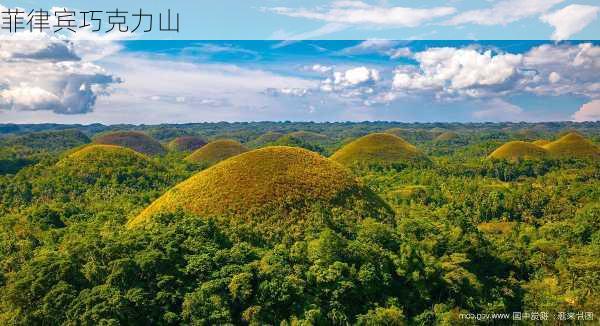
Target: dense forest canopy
point(405, 242)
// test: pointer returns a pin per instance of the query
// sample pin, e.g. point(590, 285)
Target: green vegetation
point(309, 137)
point(186, 143)
point(216, 151)
point(138, 141)
point(378, 149)
point(52, 141)
point(414, 135)
point(291, 141)
point(516, 150)
point(105, 235)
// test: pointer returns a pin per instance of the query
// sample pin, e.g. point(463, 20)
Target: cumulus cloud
point(53, 71)
point(456, 71)
point(28, 98)
point(570, 20)
point(49, 75)
point(503, 12)
point(452, 75)
point(321, 68)
point(353, 81)
point(358, 12)
point(561, 69)
point(588, 112)
point(469, 72)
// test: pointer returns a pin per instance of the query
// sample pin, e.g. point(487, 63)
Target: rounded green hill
point(400, 132)
point(573, 145)
point(274, 189)
point(378, 149)
point(447, 136)
point(105, 161)
point(216, 151)
point(186, 143)
point(267, 137)
point(138, 141)
point(516, 150)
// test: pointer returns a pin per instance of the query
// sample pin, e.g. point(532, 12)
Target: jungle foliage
point(464, 233)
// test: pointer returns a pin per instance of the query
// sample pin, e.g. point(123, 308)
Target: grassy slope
point(273, 181)
point(135, 140)
point(217, 151)
point(573, 145)
point(186, 143)
point(378, 148)
point(519, 150)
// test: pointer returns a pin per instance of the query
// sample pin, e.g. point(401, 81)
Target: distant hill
point(52, 141)
point(447, 136)
point(103, 160)
point(573, 144)
point(378, 148)
point(309, 136)
point(515, 150)
point(216, 151)
point(138, 141)
point(186, 143)
point(266, 138)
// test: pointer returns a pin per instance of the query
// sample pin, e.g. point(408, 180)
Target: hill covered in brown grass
point(573, 145)
point(273, 189)
point(216, 151)
point(516, 150)
point(138, 141)
point(186, 143)
point(378, 148)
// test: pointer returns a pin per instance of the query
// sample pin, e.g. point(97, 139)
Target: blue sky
point(428, 19)
point(340, 61)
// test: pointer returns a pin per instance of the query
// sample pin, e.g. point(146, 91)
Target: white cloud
point(54, 71)
point(561, 69)
point(355, 76)
point(206, 50)
point(388, 48)
point(570, 20)
point(503, 12)
point(400, 53)
point(321, 68)
point(588, 112)
point(46, 73)
point(353, 81)
point(292, 37)
point(25, 97)
point(360, 13)
point(211, 92)
point(452, 70)
point(299, 92)
point(498, 109)
point(554, 77)
point(545, 70)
